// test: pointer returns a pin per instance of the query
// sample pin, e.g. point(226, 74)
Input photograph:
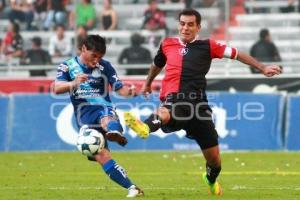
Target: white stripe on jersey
point(230, 53)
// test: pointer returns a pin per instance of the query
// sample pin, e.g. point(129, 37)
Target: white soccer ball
point(90, 141)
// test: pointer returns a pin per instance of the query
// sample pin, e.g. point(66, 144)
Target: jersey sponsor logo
point(86, 93)
point(183, 51)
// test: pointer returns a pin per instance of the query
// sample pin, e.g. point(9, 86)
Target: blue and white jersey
point(94, 91)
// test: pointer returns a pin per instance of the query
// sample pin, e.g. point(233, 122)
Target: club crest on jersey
point(183, 51)
point(100, 66)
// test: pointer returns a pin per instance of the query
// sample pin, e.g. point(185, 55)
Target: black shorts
point(193, 116)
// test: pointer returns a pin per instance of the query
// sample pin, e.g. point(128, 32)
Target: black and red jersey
point(187, 64)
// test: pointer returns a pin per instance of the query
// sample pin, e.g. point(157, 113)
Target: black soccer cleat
point(116, 136)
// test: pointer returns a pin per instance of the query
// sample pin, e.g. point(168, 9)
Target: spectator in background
point(2, 5)
point(21, 10)
point(36, 56)
point(264, 49)
point(135, 54)
point(108, 16)
point(60, 45)
point(40, 12)
point(154, 18)
point(187, 3)
point(12, 44)
point(56, 14)
point(2, 8)
point(81, 34)
point(291, 7)
point(174, 1)
point(85, 14)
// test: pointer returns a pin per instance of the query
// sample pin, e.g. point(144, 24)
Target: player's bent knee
point(164, 114)
point(103, 156)
point(114, 125)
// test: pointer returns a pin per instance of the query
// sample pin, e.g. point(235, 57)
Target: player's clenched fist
point(271, 70)
point(80, 78)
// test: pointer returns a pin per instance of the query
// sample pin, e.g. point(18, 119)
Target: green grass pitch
point(163, 175)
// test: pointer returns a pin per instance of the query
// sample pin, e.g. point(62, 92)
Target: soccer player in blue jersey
point(87, 78)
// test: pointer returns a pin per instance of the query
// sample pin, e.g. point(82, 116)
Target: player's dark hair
point(191, 12)
point(95, 43)
point(263, 33)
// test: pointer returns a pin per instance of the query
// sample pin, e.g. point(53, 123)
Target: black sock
point(154, 122)
point(212, 173)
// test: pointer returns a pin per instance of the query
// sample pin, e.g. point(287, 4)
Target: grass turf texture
point(163, 175)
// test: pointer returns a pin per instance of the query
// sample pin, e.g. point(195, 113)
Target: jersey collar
point(184, 44)
point(80, 63)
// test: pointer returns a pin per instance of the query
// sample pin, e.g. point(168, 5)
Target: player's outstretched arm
point(67, 86)
point(267, 70)
point(153, 72)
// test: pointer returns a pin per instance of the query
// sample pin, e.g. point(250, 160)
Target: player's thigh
point(90, 118)
point(202, 129)
point(180, 114)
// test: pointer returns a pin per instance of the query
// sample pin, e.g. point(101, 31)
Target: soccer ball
point(90, 141)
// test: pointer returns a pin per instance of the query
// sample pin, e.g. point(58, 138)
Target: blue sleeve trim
point(108, 165)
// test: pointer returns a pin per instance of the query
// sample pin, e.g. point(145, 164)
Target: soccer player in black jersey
point(187, 60)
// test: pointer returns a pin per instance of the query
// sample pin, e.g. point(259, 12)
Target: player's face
point(188, 28)
point(90, 58)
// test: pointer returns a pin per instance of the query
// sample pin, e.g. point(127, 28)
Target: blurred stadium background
point(251, 112)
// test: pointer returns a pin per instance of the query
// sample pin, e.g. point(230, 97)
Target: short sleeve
point(218, 50)
point(63, 73)
point(113, 78)
point(160, 58)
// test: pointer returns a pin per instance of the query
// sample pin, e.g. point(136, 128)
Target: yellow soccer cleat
point(214, 188)
point(141, 129)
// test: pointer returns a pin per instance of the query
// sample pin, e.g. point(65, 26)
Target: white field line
point(242, 187)
point(226, 173)
point(266, 173)
point(235, 187)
